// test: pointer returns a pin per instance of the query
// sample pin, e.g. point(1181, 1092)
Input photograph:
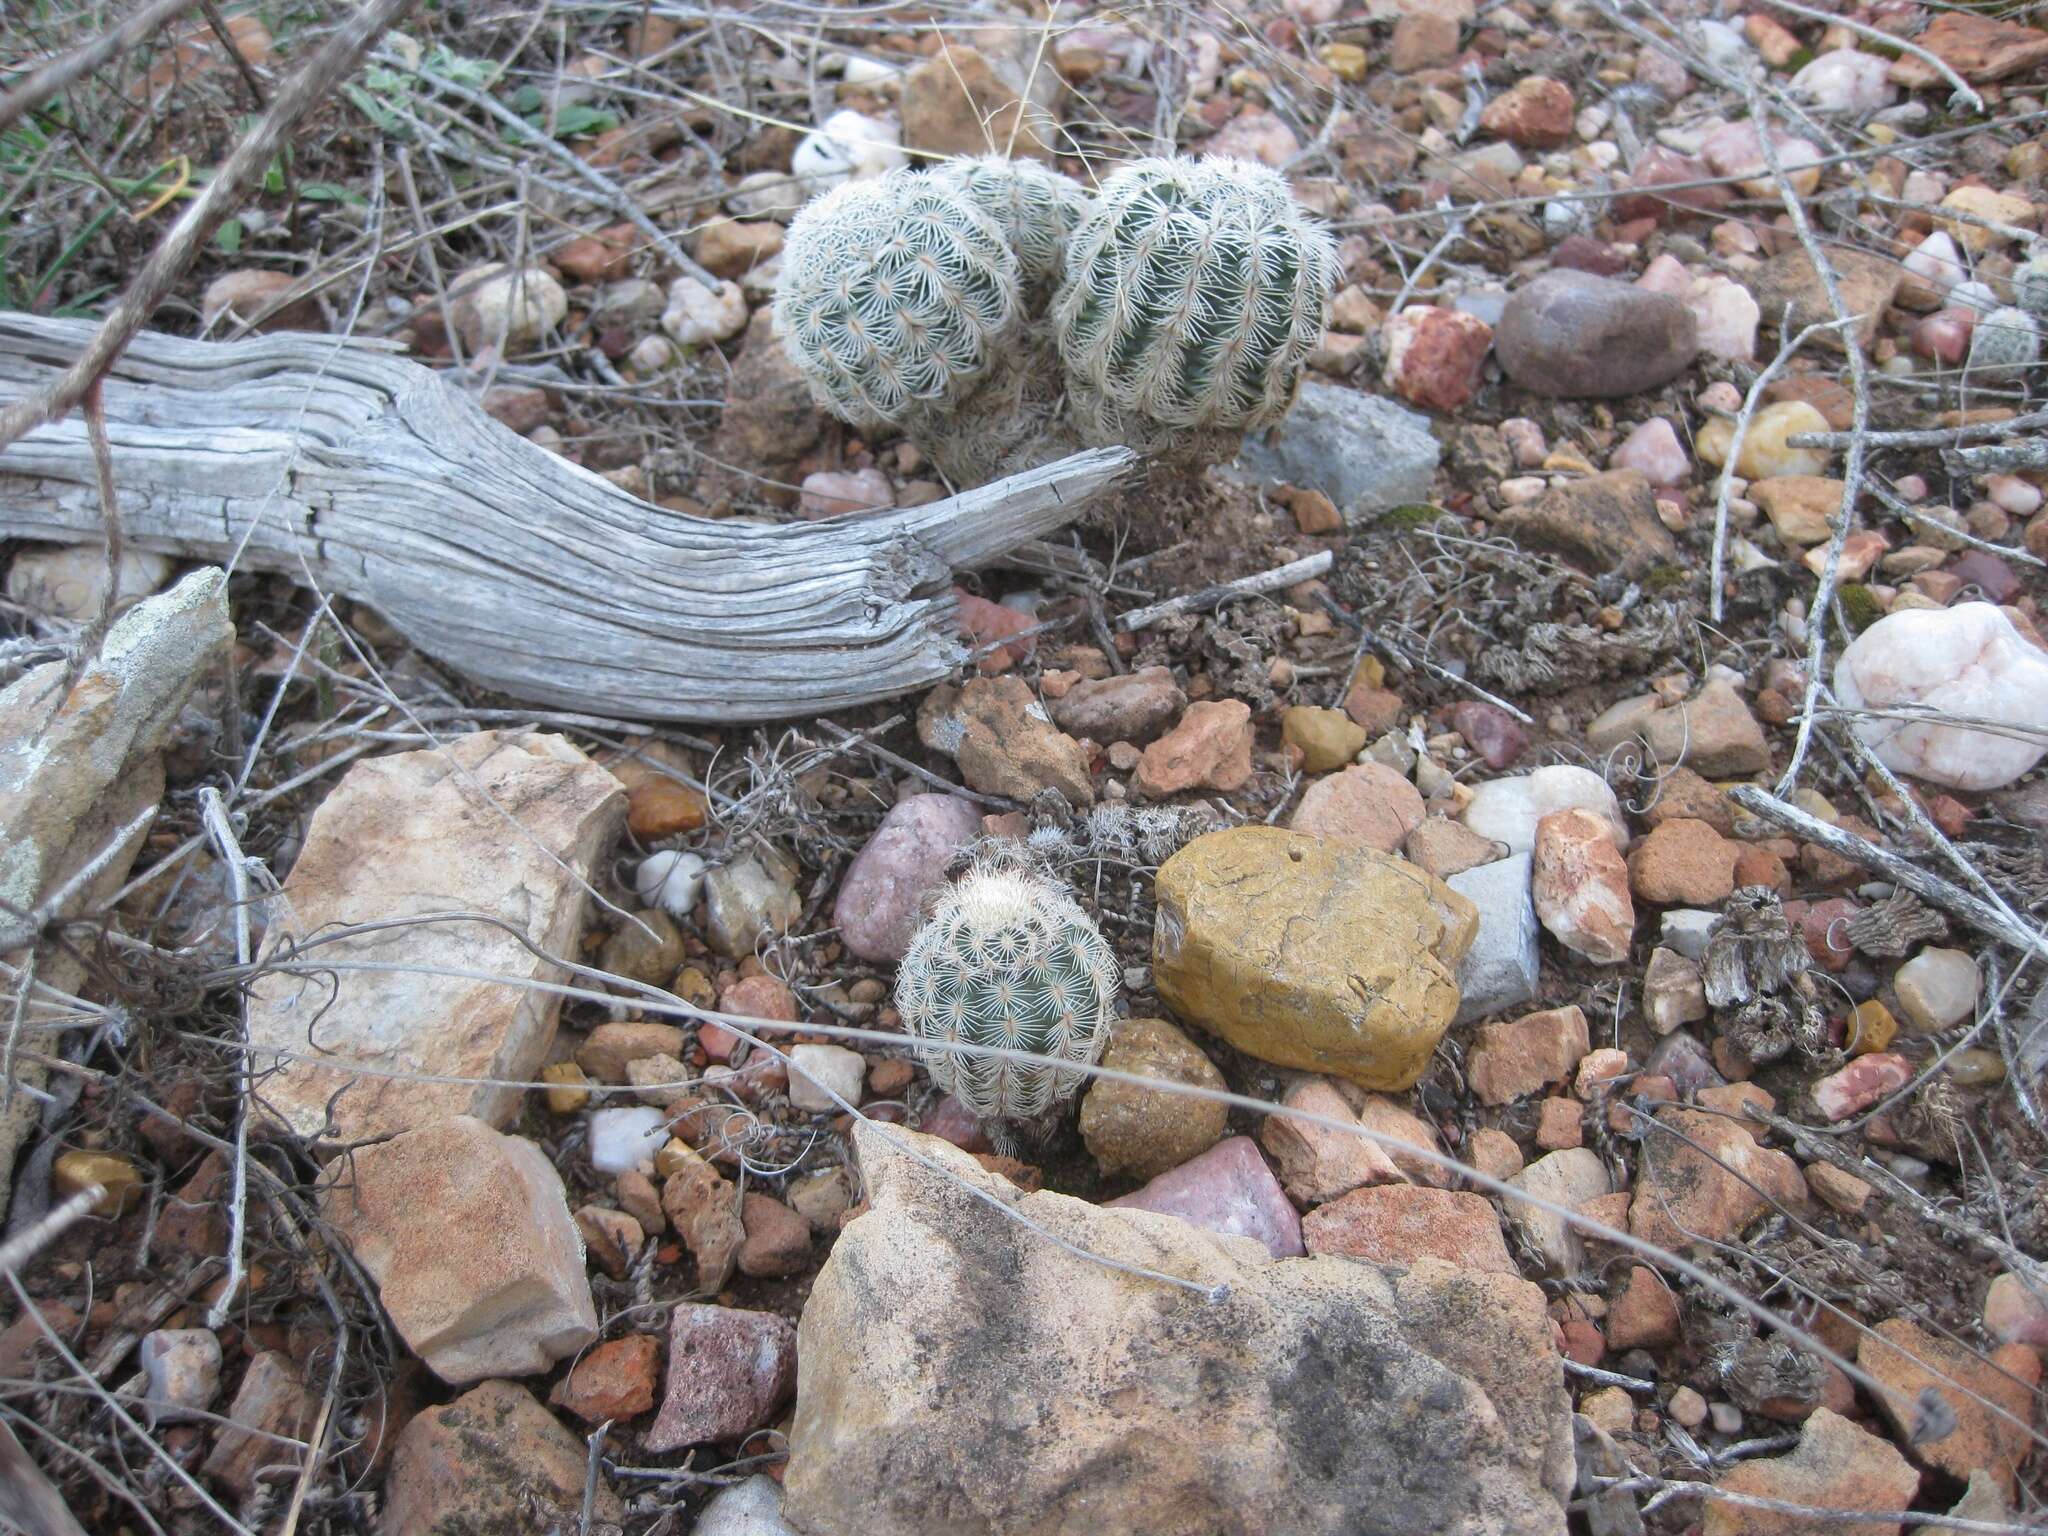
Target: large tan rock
point(78, 768)
point(1309, 953)
point(411, 834)
point(1837, 1466)
point(468, 1235)
point(493, 1460)
point(957, 1373)
point(1992, 1398)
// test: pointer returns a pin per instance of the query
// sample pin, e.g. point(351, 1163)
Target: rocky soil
point(1579, 920)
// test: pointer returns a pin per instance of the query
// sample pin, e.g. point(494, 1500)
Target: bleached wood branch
point(341, 463)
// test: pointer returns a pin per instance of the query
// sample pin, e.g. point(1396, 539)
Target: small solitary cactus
point(2003, 346)
point(895, 295)
point(1002, 318)
point(1194, 293)
point(2030, 284)
point(1009, 959)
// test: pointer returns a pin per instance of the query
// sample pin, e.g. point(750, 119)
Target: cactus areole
point(1008, 959)
point(1001, 317)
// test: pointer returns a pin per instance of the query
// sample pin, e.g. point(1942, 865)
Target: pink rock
point(1944, 336)
point(985, 623)
point(1583, 253)
point(878, 906)
point(2015, 1315)
point(1657, 68)
point(1491, 731)
point(1737, 150)
point(1514, 1057)
point(1821, 924)
point(1525, 438)
point(1987, 572)
point(1667, 274)
point(1861, 551)
point(1660, 167)
point(950, 1120)
point(1580, 885)
point(1862, 1083)
point(1399, 1223)
point(728, 1371)
point(759, 997)
point(1256, 136)
point(1728, 316)
point(1227, 1189)
point(1135, 707)
point(2012, 495)
point(1211, 748)
point(833, 493)
point(1434, 356)
point(1654, 449)
point(1936, 262)
point(1317, 1162)
point(1367, 803)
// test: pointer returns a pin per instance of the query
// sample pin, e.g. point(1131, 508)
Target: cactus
point(1193, 293)
point(1008, 958)
point(2003, 346)
point(895, 295)
point(2030, 284)
point(1036, 209)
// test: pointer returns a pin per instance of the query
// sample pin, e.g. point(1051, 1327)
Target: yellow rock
point(1346, 60)
point(675, 1156)
point(1328, 738)
point(568, 1088)
point(1984, 203)
point(1324, 956)
point(117, 1177)
point(1765, 453)
point(1370, 672)
point(1871, 1028)
point(1800, 507)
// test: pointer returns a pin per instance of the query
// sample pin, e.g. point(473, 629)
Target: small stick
point(23, 1246)
point(1209, 598)
point(214, 817)
point(1922, 437)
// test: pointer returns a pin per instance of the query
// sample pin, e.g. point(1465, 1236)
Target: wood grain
point(367, 476)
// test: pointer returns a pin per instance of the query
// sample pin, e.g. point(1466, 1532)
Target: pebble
point(697, 315)
point(880, 900)
point(1765, 451)
point(1862, 1083)
point(1434, 356)
point(70, 581)
point(1801, 508)
point(1368, 804)
point(670, 881)
point(778, 1240)
point(181, 1372)
point(1574, 335)
point(1399, 1223)
point(1310, 953)
point(1976, 1068)
point(1508, 810)
point(1368, 454)
point(1845, 80)
point(1500, 970)
point(1938, 988)
point(1983, 203)
point(1737, 151)
point(1683, 863)
point(1841, 1192)
point(1936, 262)
point(1661, 167)
point(1490, 731)
point(1006, 743)
point(1445, 847)
point(1965, 660)
point(1713, 733)
point(1580, 886)
point(613, 1381)
point(1644, 1315)
point(1707, 1182)
point(1525, 440)
point(836, 493)
point(1326, 738)
point(625, 1140)
point(751, 1508)
point(818, 1072)
point(1211, 748)
point(1567, 1178)
point(728, 1372)
point(1871, 1028)
point(1317, 1162)
point(492, 1460)
point(1685, 1063)
point(847, 146)
point(1259, 136)
point(506, 307)
point(1139, 1133)
point(1226, 1189)
point(2014, 1313)
point(1654, 449)
point(1674, 993)
point(1135, 707)
point(1513, 1058)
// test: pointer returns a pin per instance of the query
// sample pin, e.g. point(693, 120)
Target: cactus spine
point(2003, 346)
point(895, 293)
point(1036, 210)
point(1009, 959)
point(1193, 293)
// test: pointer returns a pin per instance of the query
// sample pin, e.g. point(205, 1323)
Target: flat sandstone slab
point(401, 837)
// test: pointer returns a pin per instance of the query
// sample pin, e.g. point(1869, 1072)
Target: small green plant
point(1173, 311)
point(1008, 958)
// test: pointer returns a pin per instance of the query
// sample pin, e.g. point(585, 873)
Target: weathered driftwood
point(343, 465)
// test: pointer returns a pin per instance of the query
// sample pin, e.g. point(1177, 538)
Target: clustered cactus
point(1007, 958)
point(1001, 317)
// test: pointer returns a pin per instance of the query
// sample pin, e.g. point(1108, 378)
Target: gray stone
point(964, 1374)
point(1364, 452)
point(1499, 971)
point(752, 1508)
point(1578, 336)
point(1569, 1179)
point(1687, 929)
point(750, 900)
point(881, 898)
